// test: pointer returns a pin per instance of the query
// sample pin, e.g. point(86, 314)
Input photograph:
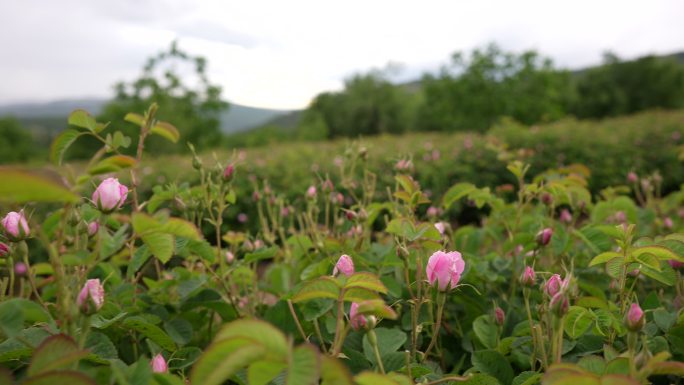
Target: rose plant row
point(345, 285)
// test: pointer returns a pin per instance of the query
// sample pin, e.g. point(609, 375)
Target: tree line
point(472, 92)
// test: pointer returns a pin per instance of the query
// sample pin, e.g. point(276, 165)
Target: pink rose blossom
point(110, 195)
point(345, 265)
point(565, 216)
point(311, 192)
point(445, 269)
point(544, 236)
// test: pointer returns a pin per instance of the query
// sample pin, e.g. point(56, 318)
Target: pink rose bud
point(20, 269)
point(528, 277)
point(339, 198)
point(110, 195)
point(258, 244)
point(229, 172)
point(230, 257)
point(15, 226)
point(256, 197)
point(565, 216)
point(4, 250)
point(546, 198)
point(559, 304)
point(675, 264)
point(358, 321)
point(620, 217)
point(553, 285)
point(91, 298)
point(440, 226)
point(93, 227)
point(667, 222)
point(445, 269)
point(345, 265)
point(635, 318)
point(158, 364)
point(632, 177)
point(242, 218)
point(432, 211)
point(327, 185)
point(544, 236)
point(499, 316)
point(311, 192)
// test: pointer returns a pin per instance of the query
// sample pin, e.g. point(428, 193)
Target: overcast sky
point(281, 53)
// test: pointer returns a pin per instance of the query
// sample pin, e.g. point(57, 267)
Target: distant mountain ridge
point(237, 118)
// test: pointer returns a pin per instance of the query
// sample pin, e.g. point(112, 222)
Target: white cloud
point(281, 53)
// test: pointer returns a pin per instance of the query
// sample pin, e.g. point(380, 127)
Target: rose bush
point(346, 282)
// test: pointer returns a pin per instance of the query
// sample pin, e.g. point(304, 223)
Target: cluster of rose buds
point(444, 269)
point(357, 320)
point(557, 288)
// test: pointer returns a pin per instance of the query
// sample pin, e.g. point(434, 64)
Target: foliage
point(16, 144)
point(623, 87)
point(473, 94)
point(213, 304)
point(178, 84)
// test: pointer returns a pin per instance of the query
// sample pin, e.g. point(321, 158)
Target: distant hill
point(49, 117)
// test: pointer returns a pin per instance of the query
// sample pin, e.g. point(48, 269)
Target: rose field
point(528, 255)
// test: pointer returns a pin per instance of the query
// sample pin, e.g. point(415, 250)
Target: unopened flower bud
point(311, 192)
point(20, 269)
point(635, 319)
point(344, 265)
point(91, 298)
point(546, 198)
point(632, 177)
point(158, 364)
point(553, 285)
point(229, 172)
point(4, 250)
point(528, 277)
point(544, 236)
point(15, 226)
point(499, 316)
point(93, 227)
point(559, 304)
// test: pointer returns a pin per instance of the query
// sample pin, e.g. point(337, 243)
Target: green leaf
point(83, 119)
point(60, 377)
point(485, 330)
point(333, 372)
point(262, 372)
point(618, 366)
point(322, 287)
point(166, 130)
point(593, 364)
point(62, 143)
point(480, 379)
point(389, 341)
point(527, 378)
point(457, 192)
point(367, 281)
point(604, 257)
point(28, 187)
point(112, 164)
point(376, 308)
point(11, 318)
point(101, 348)
point(304, 368)
point(666, 275)
point(649, 260)
point(134, 118)
point(56, 352)
point(667, 368)
point(260, 331)
point(493, 363)
point(261, 254)
point(661, 252)
point(577, 321)
point(222, 359)
point(369, 378)
point(664, 319)
point(161, 245)
point(359, 294)
point(151, 331)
